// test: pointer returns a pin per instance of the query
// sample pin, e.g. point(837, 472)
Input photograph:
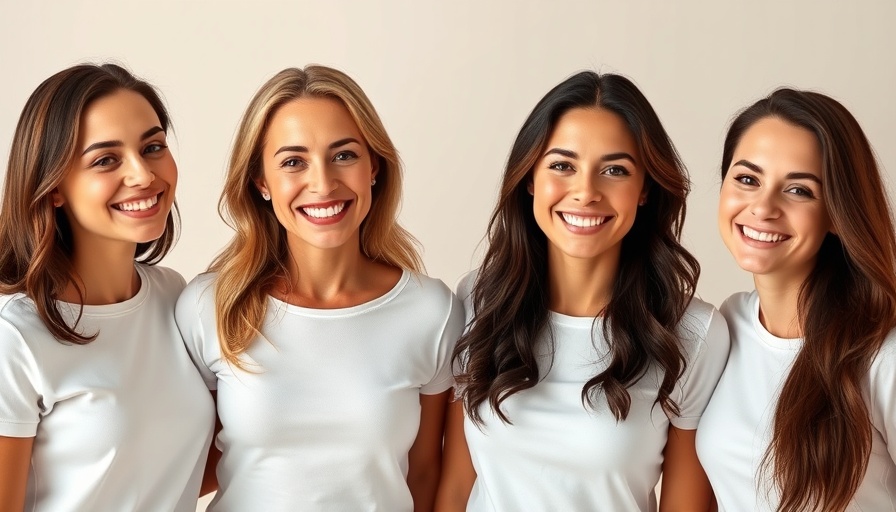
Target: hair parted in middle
point(654, 284)
point(257, 255)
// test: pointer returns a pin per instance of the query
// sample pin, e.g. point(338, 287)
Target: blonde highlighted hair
point(257, 255)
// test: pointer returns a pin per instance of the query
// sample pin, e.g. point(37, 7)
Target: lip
point(325, 221)
point(760, 244)
point(584, 230)
point(141, 214)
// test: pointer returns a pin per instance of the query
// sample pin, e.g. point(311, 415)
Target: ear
point(530, 187)
point(57, 198)
point(374, 167)
point(642, 199)
point(261, 185)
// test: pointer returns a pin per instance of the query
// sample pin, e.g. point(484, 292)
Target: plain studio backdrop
point(453, 82)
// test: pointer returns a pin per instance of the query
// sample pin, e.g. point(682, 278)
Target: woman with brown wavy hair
point(587, 362)
point(805, 414)
point(328, 351)
point(101, 408)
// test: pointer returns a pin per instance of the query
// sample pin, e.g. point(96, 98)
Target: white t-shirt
point(735, 430)
point(121, 423)
point(325, 416)
point(559, 454)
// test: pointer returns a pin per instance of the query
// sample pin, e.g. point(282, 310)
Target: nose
point(138, 173)
point(585, 189)
point(765, 205)
point(321, 180)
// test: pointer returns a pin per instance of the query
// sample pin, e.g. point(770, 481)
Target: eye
point(800, 191)
point(616, 170)
point(345, 156)
point(154, 147)
point(104, 161)
point(746, 179)
point(561, 166)
point(293, 162)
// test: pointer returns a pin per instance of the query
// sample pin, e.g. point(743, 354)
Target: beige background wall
point(454, 80)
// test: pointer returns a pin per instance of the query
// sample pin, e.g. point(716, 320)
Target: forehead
point(121, 115)
point(775, 144)
point(592, 128)
point(310, 120)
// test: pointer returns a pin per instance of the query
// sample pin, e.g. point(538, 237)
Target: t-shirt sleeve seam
point(444, 384)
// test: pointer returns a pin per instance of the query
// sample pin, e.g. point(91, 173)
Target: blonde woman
point(328, 352)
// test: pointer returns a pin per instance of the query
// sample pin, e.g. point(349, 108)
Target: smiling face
point(120, 185)
point(771, 214)
point(587, 186)
point(318, 172)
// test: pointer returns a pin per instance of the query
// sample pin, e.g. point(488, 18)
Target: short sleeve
point(882, 393)
point(19, 399)
point(451, 331)
point(705, 365)
point(194, 314)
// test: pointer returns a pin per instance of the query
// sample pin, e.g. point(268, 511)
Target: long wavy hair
point(821, 439)
point(653, 286)
point(256, 258)
point(36, 241)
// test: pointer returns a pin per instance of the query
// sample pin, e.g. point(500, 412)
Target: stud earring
point(373, 182)
point(266, 196)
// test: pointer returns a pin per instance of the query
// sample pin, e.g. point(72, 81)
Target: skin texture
point(774, 186)
point(425, 455)
point(589, 169)
point(133, 162)
point(15, 457)
point(685, 486)
point(458, 474)
point(319, 174)
point(315, 157)
point(121, 156)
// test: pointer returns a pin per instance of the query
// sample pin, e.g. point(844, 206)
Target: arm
point(210, 476)
point(685, 486)
point(15, 459)
point(458, 474)
point(425, 456)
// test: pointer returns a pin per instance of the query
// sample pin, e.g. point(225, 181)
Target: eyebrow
point(117, 143)
point(799, 175)
point(622, 155)
point(303, 149)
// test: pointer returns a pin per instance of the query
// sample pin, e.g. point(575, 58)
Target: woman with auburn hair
point(101, 406)
point(328, 351)
point(805, 413)
point(587, 362)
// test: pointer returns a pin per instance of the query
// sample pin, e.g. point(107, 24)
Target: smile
point(761, 236)
point(139, 205)
point(582, 222)
point(324, 213)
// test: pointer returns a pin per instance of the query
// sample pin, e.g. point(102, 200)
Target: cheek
point(546, 192)
point(730, 203)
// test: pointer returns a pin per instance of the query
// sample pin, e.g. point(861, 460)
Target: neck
point(580, 287)
point(334, 278)
point(105, 273)
point(779, 304)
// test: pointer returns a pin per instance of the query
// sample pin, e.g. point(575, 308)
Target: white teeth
point(138, 206)
point(582, 222)
point(323, 213)
point(761, 236)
